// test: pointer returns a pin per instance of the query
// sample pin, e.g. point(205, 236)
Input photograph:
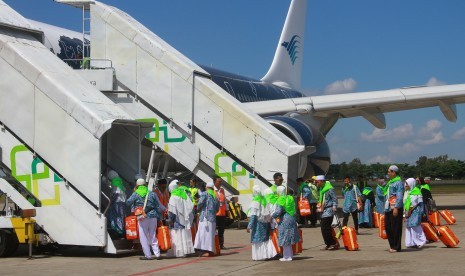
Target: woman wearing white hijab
point(180, 217)
point(259, 224)
point(270, 206)
point(288, 233)
point(413, 210)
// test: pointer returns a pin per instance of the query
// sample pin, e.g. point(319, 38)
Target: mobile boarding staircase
point(57, 135)
point(195, 121)
point(57, 129)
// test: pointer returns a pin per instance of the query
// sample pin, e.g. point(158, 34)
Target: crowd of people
point(273, 210)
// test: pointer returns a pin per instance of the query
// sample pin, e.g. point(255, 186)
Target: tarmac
point(373, 257)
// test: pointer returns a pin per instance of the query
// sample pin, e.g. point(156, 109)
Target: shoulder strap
point(145, 202)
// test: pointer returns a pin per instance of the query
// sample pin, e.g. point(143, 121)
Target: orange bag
point(349, 237)
point(132, 229)
point(297, 247)
point(217, 245)
point(164, 238)
point(434, 218)
point(304, 207)
point(334, 236)
point(382, 228)
point(430, 232)
point(448, 217)
point(376, 217)
point(447, 236)
point(274, 240)
point(392, 201)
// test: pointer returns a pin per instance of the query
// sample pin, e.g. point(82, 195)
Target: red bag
point(434, 218)
point(274, 240)
point(447, 236)
point(335, 237)
point(430, 232)
point(164, 238)
point(297, 247)
point(349, 237)
point(382, 228)
point(132, 229)
point(217, 245)
point(448, 217)
point(304, 207)
point(376, 217)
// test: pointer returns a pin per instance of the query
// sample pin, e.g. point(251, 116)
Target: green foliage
point(436, 167)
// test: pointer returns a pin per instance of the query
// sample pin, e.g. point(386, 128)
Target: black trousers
point(326, 231)
point(314, 215)
point(354, 217)
point(220, 225)
point(394, 229)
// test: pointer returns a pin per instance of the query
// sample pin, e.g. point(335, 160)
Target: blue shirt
point(153, 209)
point(350, 201)
point(330, 200)
point(208, 207)
point(396, 189)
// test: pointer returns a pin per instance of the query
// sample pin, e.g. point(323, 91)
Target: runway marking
point(246, 247)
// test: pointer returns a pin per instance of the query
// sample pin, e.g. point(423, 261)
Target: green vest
point(194, 192)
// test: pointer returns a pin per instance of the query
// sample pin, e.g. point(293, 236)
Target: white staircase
point(214, 131)
point(55, 129)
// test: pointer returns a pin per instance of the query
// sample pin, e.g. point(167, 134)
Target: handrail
point(109, 203)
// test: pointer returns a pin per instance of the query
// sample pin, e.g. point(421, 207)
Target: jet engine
point(300, 132)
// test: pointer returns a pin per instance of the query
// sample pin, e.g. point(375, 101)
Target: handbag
point(304, 207)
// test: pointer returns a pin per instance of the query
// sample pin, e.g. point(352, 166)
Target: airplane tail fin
point(286, 69)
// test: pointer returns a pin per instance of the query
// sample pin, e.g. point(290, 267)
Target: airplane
point(278, 98)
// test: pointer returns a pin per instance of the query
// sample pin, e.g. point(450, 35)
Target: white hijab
point(414, 199)
point(269, 208)
point(256, 208)
point(182, 208)
point(281, 190)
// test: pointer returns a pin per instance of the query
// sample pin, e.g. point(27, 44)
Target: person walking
point(350, 194)
point(413, 209)
point(288, 234)
point(365, 218)
point(259, 227)
point(380, 199)
point(223, 210)
point(327, 205)
point(180, 218)
point(147, 219)
point(315, 194)
point(394, 210)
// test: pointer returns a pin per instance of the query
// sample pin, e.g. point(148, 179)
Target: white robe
point(205, 238)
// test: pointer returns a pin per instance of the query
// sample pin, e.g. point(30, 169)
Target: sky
point(350, 46)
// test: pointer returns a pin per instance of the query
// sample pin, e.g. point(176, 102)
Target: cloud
point(337, 156)
point(403, 150)
point(433, 81)
point(384, 135)
point(341, 86)
point(431, 126)
point(333, 139)
point(436, 138)
point(430, 133)
point(380, 159)
point(459, 134)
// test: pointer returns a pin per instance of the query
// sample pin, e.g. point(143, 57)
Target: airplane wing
point(370, 105)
